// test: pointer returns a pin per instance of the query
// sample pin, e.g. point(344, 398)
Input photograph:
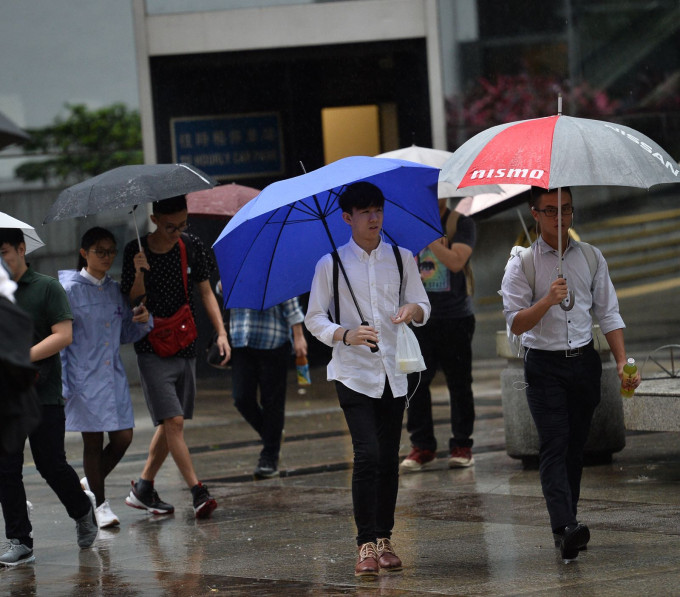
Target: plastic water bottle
point(302, 366)
point(629, 372)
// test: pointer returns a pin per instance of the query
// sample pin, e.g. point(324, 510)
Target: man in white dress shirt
point(562, 369)
point(370, 390)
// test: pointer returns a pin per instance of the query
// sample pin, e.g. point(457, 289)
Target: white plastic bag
point(408, 356)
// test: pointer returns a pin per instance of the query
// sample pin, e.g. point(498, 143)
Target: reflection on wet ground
point(476, 531)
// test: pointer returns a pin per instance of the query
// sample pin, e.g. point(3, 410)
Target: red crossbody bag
point(172, 334)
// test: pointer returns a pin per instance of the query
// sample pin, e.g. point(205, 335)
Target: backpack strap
point(400, 267)
point(527, 258)
point(336, 278)
point(591, 259)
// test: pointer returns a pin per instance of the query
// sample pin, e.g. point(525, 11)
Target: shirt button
point(107, 363)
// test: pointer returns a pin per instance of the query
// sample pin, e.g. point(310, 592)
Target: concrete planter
point(607, 432)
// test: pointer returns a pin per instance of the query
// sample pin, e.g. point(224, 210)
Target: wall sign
point(230, 146)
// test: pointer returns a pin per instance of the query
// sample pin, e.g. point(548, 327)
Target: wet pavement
point(476, 531)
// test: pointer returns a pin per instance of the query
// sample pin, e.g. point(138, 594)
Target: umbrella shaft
point(335, 250)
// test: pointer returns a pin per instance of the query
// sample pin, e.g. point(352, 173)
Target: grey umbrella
point(127, 186)
point(10, 133)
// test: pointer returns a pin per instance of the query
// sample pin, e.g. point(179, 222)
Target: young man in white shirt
point(372, 393)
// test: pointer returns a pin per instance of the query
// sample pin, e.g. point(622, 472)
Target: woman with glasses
point(94, 382)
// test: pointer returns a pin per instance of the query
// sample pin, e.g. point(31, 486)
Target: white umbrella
point(31, 237)
point(436, 158)
point(487, 204)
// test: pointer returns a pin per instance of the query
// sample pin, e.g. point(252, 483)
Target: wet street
point(476, 531)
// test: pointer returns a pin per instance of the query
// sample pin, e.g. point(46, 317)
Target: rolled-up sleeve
point(292, 312)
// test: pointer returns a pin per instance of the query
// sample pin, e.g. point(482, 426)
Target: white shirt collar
point(362, 255)
point(544, 247)
point(90, 278)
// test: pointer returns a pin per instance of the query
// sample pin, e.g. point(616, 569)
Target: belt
point(566, 354)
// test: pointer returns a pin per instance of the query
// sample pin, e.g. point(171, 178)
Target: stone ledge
point(654, 407)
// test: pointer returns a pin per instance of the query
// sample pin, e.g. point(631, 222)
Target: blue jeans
point(375, 427)
point(47, 447)
point(267, 369)
point(562, 394)
point(445, 344)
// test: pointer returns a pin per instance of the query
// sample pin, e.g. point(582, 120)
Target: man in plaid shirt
point(261, 348)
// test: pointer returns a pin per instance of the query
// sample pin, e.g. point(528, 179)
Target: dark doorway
point(297, 84)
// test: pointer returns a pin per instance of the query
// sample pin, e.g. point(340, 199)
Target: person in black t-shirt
point(154, 275)
point(446, 343)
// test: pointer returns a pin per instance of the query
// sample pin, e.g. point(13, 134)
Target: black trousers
point(375, 427)
point(267, 369)
point(445, 344)
point(562, 394)
point(47, 447)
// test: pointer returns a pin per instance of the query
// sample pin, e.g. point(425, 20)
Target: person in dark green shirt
point(45, 301)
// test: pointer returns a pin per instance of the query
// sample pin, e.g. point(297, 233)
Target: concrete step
point(639, 247)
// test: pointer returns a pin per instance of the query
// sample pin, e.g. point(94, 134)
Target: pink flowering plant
point(509, 98)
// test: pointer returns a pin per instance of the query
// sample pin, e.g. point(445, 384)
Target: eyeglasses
point(171, 228)
point(104, 253)
point(551, 211)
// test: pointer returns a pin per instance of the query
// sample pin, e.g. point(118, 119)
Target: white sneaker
point(86, 488)
point(105, 517)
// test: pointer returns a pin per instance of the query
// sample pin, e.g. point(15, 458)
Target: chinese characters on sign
point(233, 146)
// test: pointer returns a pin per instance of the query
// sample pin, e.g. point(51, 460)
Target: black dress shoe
point(573, 539)
point(558, 539)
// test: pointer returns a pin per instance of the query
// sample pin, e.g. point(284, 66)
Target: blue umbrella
point(267, 253)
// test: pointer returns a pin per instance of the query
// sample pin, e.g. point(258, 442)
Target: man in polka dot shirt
point(169, 383)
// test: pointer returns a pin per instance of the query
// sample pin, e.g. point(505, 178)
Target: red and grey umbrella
point(559, 151)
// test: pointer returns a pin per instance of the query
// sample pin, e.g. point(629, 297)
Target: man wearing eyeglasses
point(562, 369)
point(155, 275)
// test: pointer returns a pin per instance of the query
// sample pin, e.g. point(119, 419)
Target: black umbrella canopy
point(128, 186)
point(10, 133)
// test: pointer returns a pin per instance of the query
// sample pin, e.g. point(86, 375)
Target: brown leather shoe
point(367, 564)
point(387, 559)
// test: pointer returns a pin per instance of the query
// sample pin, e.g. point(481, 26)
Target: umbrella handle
point(570, 304)
point(374, 345)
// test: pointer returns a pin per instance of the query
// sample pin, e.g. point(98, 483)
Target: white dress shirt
point(375, 281)
point(559, 329)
